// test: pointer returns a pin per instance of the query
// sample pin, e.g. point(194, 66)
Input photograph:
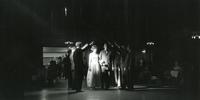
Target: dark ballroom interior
point(160, 33)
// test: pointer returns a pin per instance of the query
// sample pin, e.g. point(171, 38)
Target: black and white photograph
point(100, 49)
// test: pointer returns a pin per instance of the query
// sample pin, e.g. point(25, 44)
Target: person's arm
point(116, 45)
point(100, 58)
point(87, 45)
point(68, 42)
point(89, 63)
point(110, 61)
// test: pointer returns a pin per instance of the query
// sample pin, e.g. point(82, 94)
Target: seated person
point(176, 74)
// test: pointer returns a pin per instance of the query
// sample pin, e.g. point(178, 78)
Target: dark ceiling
point(126, 20)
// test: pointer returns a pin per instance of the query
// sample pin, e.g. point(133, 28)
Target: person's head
point(59, 59)
point(94, 48)
point(123, 46)
point(73, 47)
point(141, 61)
point(78, 44)
point(52, 62)
point(105, 46)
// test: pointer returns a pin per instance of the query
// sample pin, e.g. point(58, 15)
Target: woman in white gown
point(93, 75)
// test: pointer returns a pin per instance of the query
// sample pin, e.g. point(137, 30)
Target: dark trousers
point(105, 79)
point(124, 80)
point(70, 79)
point(127, 80)
point(112, 78)
point(130, 79)
point(78, 80)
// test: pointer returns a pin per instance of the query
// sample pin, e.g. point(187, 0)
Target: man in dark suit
point(129, 69)
point(79, 65)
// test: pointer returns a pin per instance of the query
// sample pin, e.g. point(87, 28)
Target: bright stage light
point(196, 35)
point(143, 51)
point(65, 11)
point(150, 43)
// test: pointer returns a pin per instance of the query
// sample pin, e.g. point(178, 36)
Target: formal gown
point(93, 75)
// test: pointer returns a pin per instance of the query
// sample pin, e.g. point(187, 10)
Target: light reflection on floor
point(100, 95)
point(60, 92)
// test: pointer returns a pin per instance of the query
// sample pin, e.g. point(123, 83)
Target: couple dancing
point(98, 69)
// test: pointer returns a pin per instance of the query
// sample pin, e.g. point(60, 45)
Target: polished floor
point(60, 92)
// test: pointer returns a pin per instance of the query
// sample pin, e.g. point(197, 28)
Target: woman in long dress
point(93, 75)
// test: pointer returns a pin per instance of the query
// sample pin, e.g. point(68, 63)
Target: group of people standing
point(111, 66)
point(107, 65)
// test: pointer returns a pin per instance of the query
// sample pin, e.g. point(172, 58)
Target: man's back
point(78, 59)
